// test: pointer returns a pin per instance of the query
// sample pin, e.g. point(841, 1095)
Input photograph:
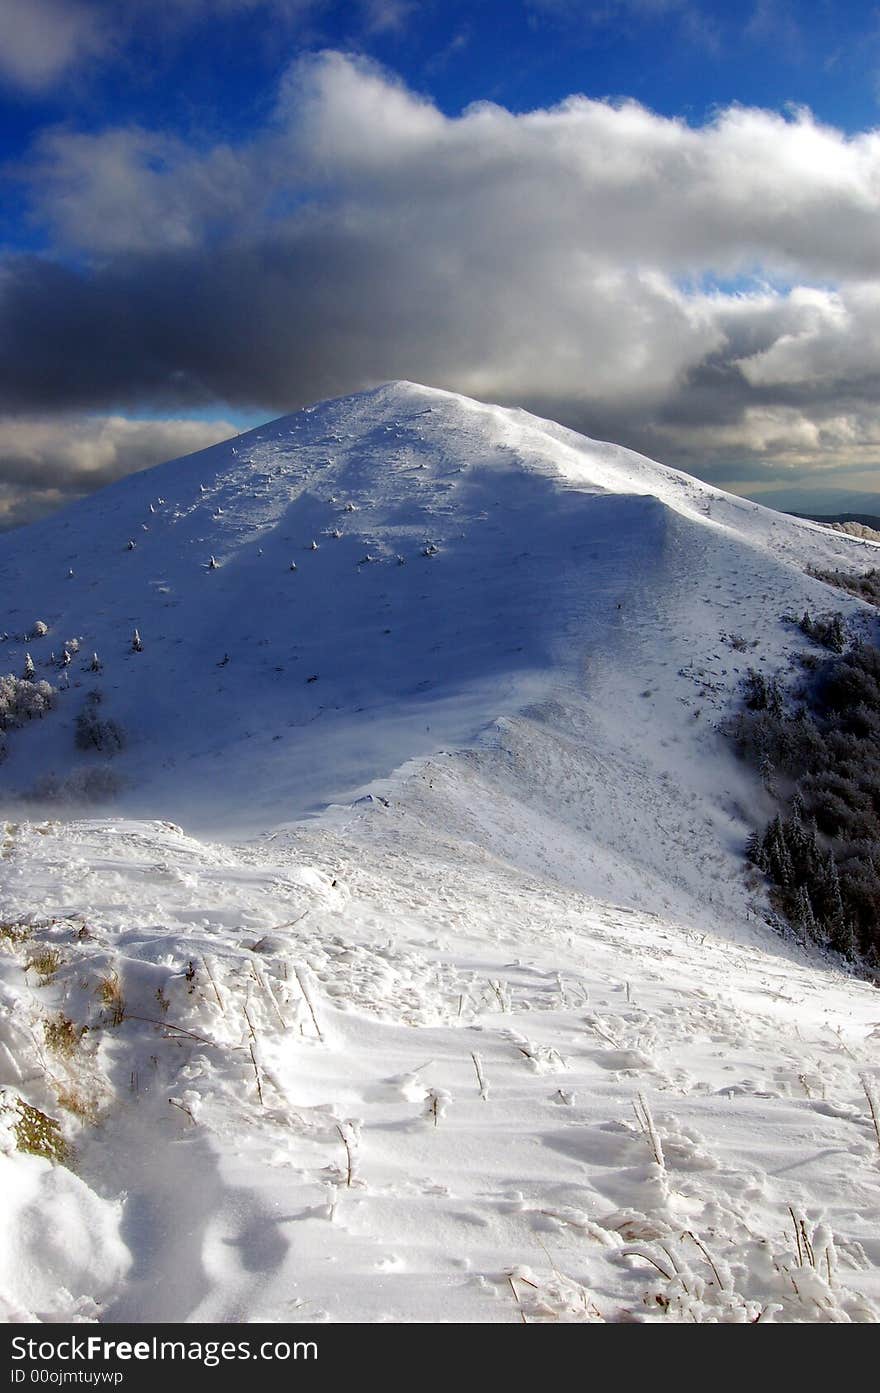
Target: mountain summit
point(352, 586)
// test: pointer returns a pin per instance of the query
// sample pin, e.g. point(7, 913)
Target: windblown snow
point(453, 1001)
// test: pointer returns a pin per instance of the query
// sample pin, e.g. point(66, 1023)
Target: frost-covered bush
point(97, 732)
point(761, 694)
point(21, 700)
point(829, 632)
point(866, 586)
point(39, 629)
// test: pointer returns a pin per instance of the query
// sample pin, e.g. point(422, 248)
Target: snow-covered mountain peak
point(355, 585)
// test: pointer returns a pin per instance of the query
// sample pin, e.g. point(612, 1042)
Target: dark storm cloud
point(706, 295)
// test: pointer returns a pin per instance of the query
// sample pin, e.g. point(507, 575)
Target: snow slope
point(541, 535)
point(461, 884)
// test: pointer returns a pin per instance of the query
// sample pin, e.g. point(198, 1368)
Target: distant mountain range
point(825, 503)
point(869, 520)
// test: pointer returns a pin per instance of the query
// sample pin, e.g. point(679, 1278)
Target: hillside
point(423, 865)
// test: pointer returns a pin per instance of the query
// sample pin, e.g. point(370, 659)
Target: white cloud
point(614, 181)
point(830, 337)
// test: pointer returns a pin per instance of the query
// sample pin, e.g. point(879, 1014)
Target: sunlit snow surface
point(440, 915)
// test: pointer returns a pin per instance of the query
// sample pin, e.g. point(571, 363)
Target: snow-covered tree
point(842, 935)
point(136, 644)
point(22, 699)
point(804, 917)
point(29, 670)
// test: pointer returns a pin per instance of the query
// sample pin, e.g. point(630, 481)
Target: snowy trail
point(749, 1059)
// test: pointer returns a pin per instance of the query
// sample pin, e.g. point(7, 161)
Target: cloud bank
point(707, 294)
point(44, 463)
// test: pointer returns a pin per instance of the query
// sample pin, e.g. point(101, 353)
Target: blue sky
point(662, 228)
point(211, 69)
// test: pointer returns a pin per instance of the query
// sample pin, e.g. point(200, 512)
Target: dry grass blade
point(213, 982)
point(308, 1000)
point(522, 1314)
point(110, 993)
point(478, 1069)
point(345, 1138)
point(873, 1106)
point(646, 1122)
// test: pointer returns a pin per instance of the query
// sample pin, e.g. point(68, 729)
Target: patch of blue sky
point(756, 281)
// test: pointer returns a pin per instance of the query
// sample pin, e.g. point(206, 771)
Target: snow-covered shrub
point(829, 632)
point(22, 700)
point(761, 694)
point(39, 629)
point(96, 732)
point(866, 586)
